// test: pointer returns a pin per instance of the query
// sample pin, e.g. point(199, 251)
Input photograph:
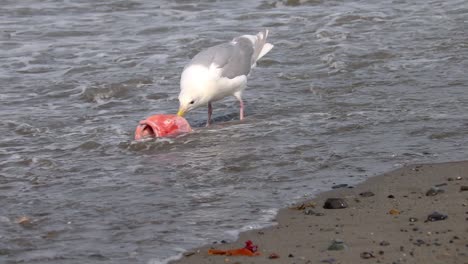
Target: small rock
point(441, 184)
point(413, 219)
point(384, 243)
point(394, 212)
point(335, 203)
point(391, 196)
point(337, 244)
point(450, 179)
point(419, 242)
point(435, 216)
point(312, 212)
point(188, 253)
point(339, 186)
point(290, 256)
point(329, 260)
point(273, 256)
point(367, 255)
point(463, 188)
point(309, 212)
point(381, 252)
point(367, 194)
point(433, 191)
point(458, 178)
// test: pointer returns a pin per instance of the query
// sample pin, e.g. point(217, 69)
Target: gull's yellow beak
point(181, 112)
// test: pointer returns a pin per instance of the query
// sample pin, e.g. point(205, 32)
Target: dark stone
point(329, 260)
point(367, 255)
point(335, 203)
point(273, 256)
point(419, 242)
point(391, 196)
point(337, 245)
point(441, 184)
point(291, 256)
point(384, 243)
point(309, 212)
point(339, 186)
point(312, 212)
point(367, 194)
point(188, 253)
point(433, 191)
point(463, 188)
point(435, 216)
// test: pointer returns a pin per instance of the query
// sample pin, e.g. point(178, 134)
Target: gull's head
point(196, 88)
point(188, 102)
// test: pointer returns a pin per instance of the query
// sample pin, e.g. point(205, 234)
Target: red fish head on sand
point(162, 126)
point(249, 250)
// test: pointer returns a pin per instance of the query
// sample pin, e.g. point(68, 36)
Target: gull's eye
point(192, 102)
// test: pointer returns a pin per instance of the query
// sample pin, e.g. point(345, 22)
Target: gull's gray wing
point(234, 58)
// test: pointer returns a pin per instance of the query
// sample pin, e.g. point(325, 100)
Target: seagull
point(220, 71)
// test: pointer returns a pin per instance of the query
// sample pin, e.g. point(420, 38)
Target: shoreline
point(386, 219)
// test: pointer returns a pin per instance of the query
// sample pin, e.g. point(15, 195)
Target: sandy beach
point(415, 214)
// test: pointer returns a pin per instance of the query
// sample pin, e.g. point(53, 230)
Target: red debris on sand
point(249, 250)
point(162, 126)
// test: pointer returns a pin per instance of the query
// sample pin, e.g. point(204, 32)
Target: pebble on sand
point(367, 194)
point(337, 244)
point(384, 243)
point(394, 212)
point(367, 255)
point(335, 203)
point(435, 216)
point(433, 191)
point(310, 211)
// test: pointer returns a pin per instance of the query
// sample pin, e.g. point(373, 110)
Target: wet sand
point(390, 226)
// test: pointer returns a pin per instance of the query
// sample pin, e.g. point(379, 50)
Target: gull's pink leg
point(210, 111)
point(241, 114)
point(238, 95)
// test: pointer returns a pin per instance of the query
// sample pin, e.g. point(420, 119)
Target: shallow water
point(351, 89)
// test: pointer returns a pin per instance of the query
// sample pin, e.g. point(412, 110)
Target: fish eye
point(192, 102)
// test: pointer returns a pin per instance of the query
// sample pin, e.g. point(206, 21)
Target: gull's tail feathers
point(261, 47)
